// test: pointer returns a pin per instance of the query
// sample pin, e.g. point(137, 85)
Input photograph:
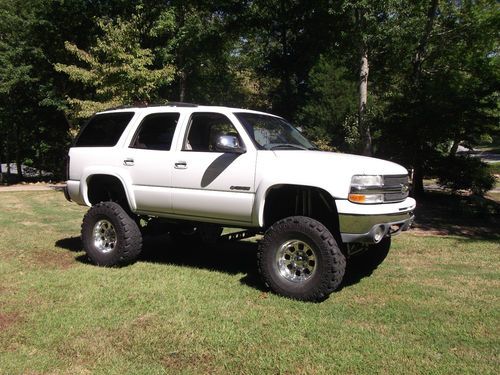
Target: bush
point(465, 173)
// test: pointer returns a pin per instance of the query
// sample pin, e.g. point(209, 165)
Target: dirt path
point(32, 187)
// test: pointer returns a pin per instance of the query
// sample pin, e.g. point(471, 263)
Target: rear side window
point(156, 132)
point(104, 130)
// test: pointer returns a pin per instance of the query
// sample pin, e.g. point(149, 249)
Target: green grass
point(431, 307)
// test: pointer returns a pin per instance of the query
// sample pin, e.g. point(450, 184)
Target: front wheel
point(299, 258)
point(110, 236)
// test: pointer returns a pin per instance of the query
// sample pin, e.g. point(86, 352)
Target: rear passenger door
point(148, 159)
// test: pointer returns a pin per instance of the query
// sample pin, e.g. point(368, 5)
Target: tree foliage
point(117, 69)
point(431, 80)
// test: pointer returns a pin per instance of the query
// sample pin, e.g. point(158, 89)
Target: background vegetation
point(405, 80)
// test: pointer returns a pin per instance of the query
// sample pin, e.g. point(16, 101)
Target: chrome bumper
point(371, 228)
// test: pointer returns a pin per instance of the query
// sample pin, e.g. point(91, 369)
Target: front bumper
point(371, 228)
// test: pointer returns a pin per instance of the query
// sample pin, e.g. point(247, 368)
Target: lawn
point(431, 307)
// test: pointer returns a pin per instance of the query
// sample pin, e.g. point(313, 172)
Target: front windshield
point(272, 133)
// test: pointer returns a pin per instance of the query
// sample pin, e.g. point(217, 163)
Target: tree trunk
point(364, 126)
point(182, 86)
point(18, 153)
point(418, 181)
point(454, 147)
point(418, 177)
point(457, 137)
point(1, 158)
point(7, 155)
point(287, 106)
point(424, 40)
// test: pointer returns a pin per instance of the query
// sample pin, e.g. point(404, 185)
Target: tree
point(282, 41)
point(363, 40)
point(329, 113)
point(33, 129)
point(442, 95)
point(117, 68)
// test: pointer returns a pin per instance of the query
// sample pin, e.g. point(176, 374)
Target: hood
point(327, 170)
point(338, 162)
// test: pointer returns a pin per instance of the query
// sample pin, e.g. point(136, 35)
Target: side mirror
point(229, 143)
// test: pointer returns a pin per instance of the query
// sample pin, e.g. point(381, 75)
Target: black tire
point(321, 263)
point(121, 241)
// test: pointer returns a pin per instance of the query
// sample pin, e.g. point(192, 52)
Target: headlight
point(366, 181)
point(366, 189)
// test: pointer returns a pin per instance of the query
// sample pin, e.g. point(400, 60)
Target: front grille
point(395, 188)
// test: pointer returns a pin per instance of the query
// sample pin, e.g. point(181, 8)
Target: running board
point(236, 236)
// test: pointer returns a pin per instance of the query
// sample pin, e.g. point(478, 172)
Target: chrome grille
point(395, 188)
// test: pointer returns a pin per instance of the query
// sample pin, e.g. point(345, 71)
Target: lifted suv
point(192, 170)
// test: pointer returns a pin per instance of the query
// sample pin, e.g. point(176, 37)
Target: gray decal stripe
point(218, 166)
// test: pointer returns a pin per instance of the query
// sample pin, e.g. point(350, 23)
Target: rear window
point(104, 130)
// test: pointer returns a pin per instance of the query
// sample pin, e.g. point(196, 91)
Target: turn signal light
point(367, 198)
point(357, 198)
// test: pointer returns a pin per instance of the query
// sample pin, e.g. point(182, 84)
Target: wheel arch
point(284, 200)
point(101, 187)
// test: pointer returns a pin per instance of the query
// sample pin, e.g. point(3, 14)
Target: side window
point(204, 129)
point(155, 132)
point(104, 130)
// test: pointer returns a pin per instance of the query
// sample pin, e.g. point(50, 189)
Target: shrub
point(465, 173)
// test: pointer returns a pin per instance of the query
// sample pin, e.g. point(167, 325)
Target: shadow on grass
point(364, 264)
point(71, 244)
point(440, 213)
point(238, 257)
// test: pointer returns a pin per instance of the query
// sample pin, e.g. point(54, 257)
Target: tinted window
point(104, 130)
point(156, 132)
point(204, 130)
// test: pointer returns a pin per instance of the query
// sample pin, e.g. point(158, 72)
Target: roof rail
point(145, 105)
point(178, 104)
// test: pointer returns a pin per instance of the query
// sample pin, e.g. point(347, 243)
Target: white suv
point(195, 169)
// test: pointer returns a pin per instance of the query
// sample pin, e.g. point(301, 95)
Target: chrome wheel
point(104, 236)
point(296, 261)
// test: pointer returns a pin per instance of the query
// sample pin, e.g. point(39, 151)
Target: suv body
point(217, 166)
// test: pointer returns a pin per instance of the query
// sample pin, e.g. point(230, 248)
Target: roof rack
point(178, 104)
point(146, 105)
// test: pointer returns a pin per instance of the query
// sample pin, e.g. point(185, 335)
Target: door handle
point(128, 162)
point(180, 165)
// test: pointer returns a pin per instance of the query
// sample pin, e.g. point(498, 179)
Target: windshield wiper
point(286, 145)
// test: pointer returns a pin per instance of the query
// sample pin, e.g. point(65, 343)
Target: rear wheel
point(299, 258)
point(110, 236)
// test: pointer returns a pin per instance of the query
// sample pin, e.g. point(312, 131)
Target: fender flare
point(124, 180)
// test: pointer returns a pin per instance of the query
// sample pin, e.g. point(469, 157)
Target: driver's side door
point(208, 183)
